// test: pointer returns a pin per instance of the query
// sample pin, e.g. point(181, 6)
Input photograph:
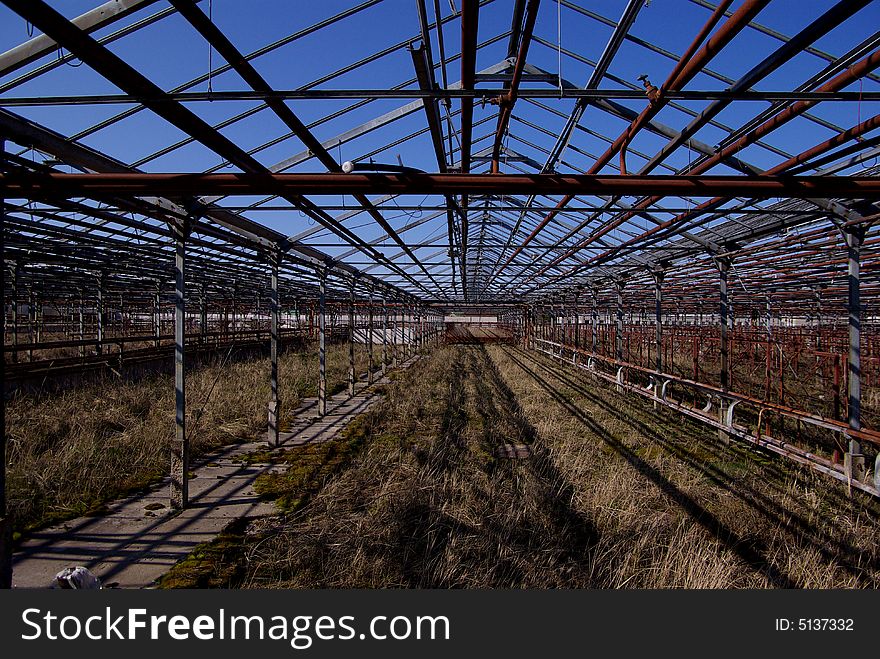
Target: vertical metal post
point(16, 276)
point(618, 338)
point(38, 316)
point(82, 321)
point(658, 330)
point(370, 360)
point(5, 522)
point(351, 330)
point(203, 314)
point(274, 402)
point(407, 330)
point(565, 321)
point(595, 320)
point(31, 320)
point(99, 313)
point(234, 309)
point(577, 321)
point(854, 461)
point(180, 448)
point(157, 325)
point(723, 265)
point(396, 308)
point(658, 320)
point(322, 346)
point(384, 335)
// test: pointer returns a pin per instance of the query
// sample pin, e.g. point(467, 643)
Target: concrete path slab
point(140, 538)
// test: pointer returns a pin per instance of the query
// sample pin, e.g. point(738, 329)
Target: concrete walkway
point(140, 538)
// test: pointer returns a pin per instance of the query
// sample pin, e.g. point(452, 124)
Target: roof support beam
point(29, 184)
point(251, 76)
point(91, 21)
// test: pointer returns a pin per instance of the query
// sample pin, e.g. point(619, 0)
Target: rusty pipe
point(34, 184)
point(683, 68)
point(725, 34)
point(854, 72)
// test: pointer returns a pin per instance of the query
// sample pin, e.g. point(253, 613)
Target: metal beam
point(38, 185)
point(89, 22)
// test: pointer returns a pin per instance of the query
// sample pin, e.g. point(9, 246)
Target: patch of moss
point(215, 564)
point(310, 466)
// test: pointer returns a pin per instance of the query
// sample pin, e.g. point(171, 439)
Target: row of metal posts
point(419, 327)
point(544, 314)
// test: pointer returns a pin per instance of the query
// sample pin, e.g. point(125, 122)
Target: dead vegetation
point(71, 452)
point(612, 496)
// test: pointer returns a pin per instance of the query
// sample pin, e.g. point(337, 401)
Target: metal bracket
point(729, 414)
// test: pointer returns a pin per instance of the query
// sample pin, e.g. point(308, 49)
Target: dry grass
point(71, 452)
point(673, 507)
point(613, 496)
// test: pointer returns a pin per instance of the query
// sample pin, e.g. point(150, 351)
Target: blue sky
point(171, 53)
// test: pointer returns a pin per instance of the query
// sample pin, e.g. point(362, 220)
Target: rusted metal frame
point(763, 29)
point(683, 72)
point(769, 185)
point(27, 132)
point(249, 74)
point(818, 149)
point(66, 58)
point(778, 446)
point(399, 91)
point(832, 72)
point(508, 100)
point(469, 27)
point(689, 65)
point(601, 67)
point(869, 436)
point(301, 157)
point(470, 14)
point(630, 12)
point(227, 67)
point(425, 75)
point(144, 255)
point(815, 30)
point(652, 47)
point(616, 109)
point(130, 81)
point(872, 62)
point(854, 459)
point(370, 340)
